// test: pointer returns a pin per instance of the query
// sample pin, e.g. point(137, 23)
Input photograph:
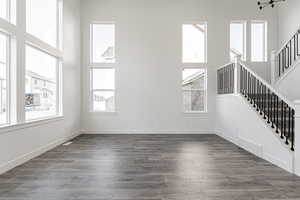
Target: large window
point(103, 43)
point(259, 41)
point(102, 72)
point(41, 96)
point(238, 40)
point(8, 10)
point(194, 89)
point(103, 89)
point(42, 18)
point(4, 55)
point(194, 43)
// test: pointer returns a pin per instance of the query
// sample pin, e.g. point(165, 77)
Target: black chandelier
point(263, 4)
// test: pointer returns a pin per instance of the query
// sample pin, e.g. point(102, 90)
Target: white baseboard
point(101, 132)
point(28, 156)
point(278, 162)
point(251, 146)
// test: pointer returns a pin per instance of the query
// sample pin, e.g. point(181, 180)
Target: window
point(102, 77)
point(41, 91)
point(238, 40)
point(103, 43)
point(103, 89)
point(4, 54)
point(259, 41)
point(194, 43)
point(194, 90)
point(8, 10)
point(42, 20)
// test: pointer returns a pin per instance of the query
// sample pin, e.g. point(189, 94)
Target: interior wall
point(25, 141)
point(288, 20)
point(148, 68)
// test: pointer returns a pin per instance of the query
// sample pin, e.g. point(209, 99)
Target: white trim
point(38, 151)
point(32, 123)
point(150, 132)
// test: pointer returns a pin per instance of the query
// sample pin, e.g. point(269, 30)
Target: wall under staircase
point(240, 123)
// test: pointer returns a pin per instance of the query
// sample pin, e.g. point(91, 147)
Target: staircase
point(276, 110)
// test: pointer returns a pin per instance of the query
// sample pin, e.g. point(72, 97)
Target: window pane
point(40, 84)
point(103, 43)
point(104, 101)
point(194, 43)
point(193, 79)
point(258, 41)
point(237, 40)
point(103, 79)
point(194, 89)
point(3, 9)
point(194, 101)
point(41, 20)
point(3, 80)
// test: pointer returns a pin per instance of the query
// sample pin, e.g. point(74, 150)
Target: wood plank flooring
point(148, 167)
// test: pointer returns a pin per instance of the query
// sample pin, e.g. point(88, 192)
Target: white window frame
point(101, 65)
point(205, 43)
point(92, 90)
point(265, 42)
point(18, 39)
point(58, 83)
point(244, 53)
point(8, 90)
point(205, 91)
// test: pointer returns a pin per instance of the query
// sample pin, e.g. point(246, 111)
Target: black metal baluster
point(265, 102)
point(279, 64)
point(268, 100)
point(293, 130)
point(287, 137)
point(282, 120)
point(261, 99)
point(272, 109)
point(277, 114)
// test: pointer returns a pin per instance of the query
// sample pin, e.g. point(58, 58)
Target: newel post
point(273, 67)
point(237, 72)
point(297, 138)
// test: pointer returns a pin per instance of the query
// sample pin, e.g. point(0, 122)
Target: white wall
point(238, 122)
point(148, 47)
point(288, 20)
point(22, 142)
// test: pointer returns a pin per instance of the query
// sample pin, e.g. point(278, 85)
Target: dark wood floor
point(148, 167)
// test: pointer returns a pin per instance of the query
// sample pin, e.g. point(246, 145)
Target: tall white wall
point(288, 24)
point(288, 20)
point(148, 68)
point(22, 142)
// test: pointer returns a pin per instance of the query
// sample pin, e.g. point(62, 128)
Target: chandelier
point(263, 4)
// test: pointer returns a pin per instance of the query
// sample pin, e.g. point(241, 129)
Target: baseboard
point(145, 132)
point(278, 162)
point(28, 156)
point(251, 146)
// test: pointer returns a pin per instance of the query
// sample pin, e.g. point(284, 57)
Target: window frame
point(9, 10)
point(186, 90)
point(101, 65)
point(205, 43)
point(265, 40)
point(58, 84)
point(92, 90)
point(244, 24)
point(8, 79)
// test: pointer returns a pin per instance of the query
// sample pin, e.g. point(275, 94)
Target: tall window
point(259, 41)
point(4, 55)
point(41, 80)
point(238, 40)
point(194, 89)
point(8, 10)
point(42, 20)
point(194, 43)
point(102, 72)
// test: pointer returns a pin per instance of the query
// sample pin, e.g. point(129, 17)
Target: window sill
point(195, 112)
point(28, 124)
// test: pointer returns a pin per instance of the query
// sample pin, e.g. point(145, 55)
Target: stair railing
point(273, 107)
point(285, 58)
